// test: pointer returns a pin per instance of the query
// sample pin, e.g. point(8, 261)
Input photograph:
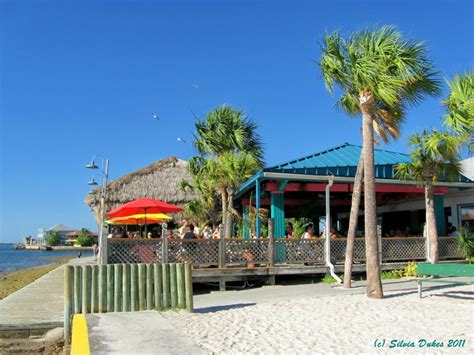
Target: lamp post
point(104, 174)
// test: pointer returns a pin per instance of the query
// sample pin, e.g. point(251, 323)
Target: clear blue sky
point(80, 78)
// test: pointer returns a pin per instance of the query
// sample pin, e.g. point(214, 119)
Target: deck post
point(166, 285)
point(164, 243)
point(188, 280)
point(173, 286)
point(141, 287)
point(77, 289)
point(102, 288)
point(271, 251)
point(257, 206)
point(181, 285)
point(94, 289)
point(133, 287)
point(222, 258)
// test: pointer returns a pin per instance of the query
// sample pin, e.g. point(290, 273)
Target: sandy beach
point(342, 324)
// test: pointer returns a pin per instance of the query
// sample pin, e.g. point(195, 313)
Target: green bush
point(85, 239)
point(53, 238)
point(330, 280)
point(465, 241)
point(410, 269)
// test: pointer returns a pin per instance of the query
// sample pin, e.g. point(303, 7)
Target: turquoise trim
point(439, 213)
point(277, 211)
point(283, 185)
point(246, 223)
point(257, 205)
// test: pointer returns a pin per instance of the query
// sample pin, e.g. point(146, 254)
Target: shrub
point(53, 238)
point(465, 241)
point(85, 239)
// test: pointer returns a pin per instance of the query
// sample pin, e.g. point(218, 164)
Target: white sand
point(342, 324)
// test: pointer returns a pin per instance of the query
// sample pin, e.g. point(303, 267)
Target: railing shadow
point(227, 307)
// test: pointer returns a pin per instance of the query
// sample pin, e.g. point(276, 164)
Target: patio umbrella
point(140, 219)
point(144, 206)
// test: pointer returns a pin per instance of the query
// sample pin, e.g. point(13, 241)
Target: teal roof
point(341, 161)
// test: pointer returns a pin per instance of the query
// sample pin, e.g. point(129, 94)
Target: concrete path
point(41, 302)
point(136, 333)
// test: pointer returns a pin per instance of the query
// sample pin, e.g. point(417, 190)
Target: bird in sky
point(195, 86)
point(179, 139)
point(155, 116)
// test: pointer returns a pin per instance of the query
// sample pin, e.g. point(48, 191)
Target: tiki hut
point(160, 180)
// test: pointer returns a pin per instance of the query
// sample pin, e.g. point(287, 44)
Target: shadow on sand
point(222, 308)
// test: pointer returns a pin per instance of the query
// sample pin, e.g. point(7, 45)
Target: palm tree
point(378, 72)
point(460, 107)
point(231, 152)
point(434, 156)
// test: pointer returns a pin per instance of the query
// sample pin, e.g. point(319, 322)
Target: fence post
point(133, 287)
point(271, 250)
point(149, 286)
point(157, 273)
point(110, 288)
point(77, 289)
point(117, 287)
point(173, 286)
point(141, 286)
point(94, 289)
point(68, 300)
point(166, 285)
point(102, 288)
point(164, 243)
point(86, 289)
point(222, 257)
point(181, 286)
point(379, 242)
point(126, 288)
point(188, 280)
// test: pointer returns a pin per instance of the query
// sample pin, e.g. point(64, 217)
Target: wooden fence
point(125, 288)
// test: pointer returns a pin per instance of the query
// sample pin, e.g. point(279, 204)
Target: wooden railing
point(268, 251)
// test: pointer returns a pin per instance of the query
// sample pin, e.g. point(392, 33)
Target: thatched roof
point(159, 180)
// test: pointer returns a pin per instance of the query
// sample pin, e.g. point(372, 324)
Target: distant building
point(72, 237)
point(61, 228)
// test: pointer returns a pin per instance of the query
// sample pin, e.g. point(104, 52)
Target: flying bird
point(155, 116)
point(195, 86)
point(179, 139)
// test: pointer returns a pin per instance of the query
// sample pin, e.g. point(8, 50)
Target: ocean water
point(11, 259)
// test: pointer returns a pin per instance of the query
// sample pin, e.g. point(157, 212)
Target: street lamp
point(104, 174)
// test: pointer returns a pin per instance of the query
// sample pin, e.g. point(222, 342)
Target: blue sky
point(80, 78)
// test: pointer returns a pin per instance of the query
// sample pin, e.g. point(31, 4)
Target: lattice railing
point(130, 251)
point(394, 249)
point(298, 251)
point(338, 250)
point(194, 251)
point(448, 248)
point(242, 251)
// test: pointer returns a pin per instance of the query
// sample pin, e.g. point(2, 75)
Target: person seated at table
point(308, 232)
point(184, 227)
point(289, 233)
point(217, 232)
point(190, 233)
point(170, 234)
point(207, 231)
point(150, 235)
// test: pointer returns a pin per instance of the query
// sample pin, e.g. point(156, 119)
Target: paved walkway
point(136, 333)
point(41, 302)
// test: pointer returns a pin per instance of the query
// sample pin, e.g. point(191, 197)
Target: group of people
point(309, 232)
point(189, 230)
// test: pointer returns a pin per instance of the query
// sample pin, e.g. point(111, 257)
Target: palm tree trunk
point(374, 283)
point(356, 194)
point(224, 207)
point(431, 222)
point(230, 216)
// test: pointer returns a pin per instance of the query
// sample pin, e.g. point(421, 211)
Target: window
point(466, 216)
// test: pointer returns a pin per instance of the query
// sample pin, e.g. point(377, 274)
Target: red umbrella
point(143, 205)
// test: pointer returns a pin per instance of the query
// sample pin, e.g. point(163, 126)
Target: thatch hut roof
point(159, 180)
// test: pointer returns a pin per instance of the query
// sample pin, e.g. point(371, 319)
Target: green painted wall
point(278, 214)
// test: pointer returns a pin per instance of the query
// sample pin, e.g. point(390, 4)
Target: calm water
point(11, 259)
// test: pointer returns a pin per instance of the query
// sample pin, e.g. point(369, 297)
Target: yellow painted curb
point(80, 336)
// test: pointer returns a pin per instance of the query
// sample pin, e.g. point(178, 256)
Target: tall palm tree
point(378, 72)
point(434, 155)
point(231, 149)
point(460, 107)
